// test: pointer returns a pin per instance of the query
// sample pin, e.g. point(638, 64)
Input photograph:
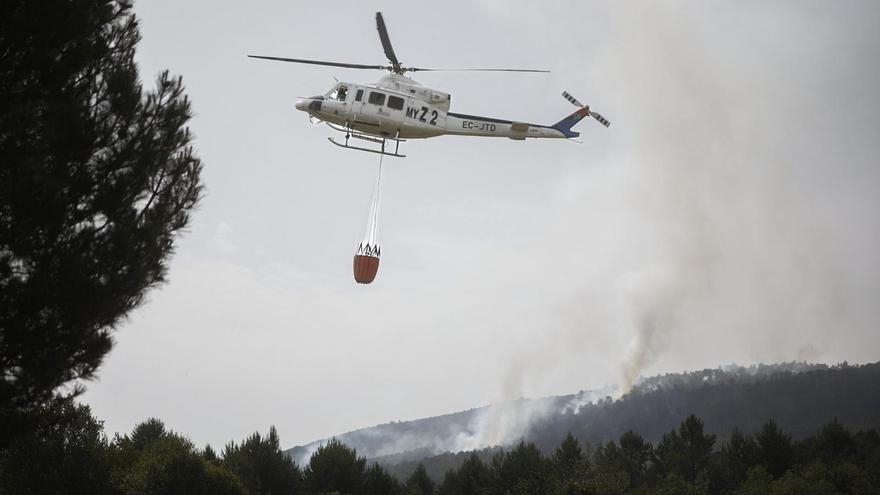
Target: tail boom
point(472, 125)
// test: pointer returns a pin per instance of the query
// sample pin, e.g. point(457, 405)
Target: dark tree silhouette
point(685, 452)
point(377, 481)
point(155, 460)
point(522, 470)
point(147, 432)
point(834, 443)
point(471, 478)
point(608, 470)
point(566, 457)
point(637, 454)
point(210, 455)
point(419, 483)
point(261, 466)
point(96, 177)
point(730, 467)
point(66, 452)
point(775, 449)
point(335, 467)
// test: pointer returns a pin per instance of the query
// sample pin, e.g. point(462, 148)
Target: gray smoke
point(737, 219)
point(746, 191)
point(728, 215)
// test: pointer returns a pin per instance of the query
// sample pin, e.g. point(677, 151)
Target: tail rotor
point(574, 101)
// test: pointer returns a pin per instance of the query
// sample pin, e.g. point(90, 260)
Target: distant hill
point(799, 396)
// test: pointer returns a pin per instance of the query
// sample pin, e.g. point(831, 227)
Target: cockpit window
point(376, 98)
point(339, 93)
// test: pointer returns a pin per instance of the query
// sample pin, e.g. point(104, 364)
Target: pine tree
point(97, 176)
point(608, 473)
point(210, 455)
point(66, 452)
point(567, 465)
point(335, 467)
point(730, 466)
point(146, 432)
point(471, 478)
point(637, 454)
point(834, 443)
point(686, 451)
point(419, 483)
point(775, 449)
point(154, 460)
point(522, 470)
point(377, 481)
point(261, 465)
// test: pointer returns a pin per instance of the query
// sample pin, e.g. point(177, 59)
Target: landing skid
point(382, 141)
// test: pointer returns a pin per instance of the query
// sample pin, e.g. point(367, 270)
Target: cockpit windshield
point(339, 93)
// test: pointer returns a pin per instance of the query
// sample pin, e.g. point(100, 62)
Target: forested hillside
point(685, 461)
point(779, 430)
point(799, 397)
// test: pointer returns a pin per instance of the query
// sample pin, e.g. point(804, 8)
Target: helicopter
point(397, 108)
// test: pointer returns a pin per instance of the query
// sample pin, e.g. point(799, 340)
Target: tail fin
point(564, 126)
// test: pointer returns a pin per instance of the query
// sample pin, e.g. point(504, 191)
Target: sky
point(730, 214)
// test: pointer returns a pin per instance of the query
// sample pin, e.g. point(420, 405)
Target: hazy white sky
point(730, 213)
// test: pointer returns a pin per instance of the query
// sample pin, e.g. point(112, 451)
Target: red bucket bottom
point(365, 268)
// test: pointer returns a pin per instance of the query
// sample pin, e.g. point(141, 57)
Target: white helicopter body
point(397, 108)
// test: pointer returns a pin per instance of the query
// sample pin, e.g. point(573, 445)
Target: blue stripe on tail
point(564, 126)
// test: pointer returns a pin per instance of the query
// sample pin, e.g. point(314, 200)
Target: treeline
point(798, 399)
point(67, 452)
point(686, 461)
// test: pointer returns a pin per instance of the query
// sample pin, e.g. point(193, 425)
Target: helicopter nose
point(310, 105)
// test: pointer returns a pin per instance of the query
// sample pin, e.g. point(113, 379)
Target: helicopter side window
point(359, 95)
point(376, 98)
point(395, 102)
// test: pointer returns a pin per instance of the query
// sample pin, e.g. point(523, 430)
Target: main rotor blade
point(420, 69)
point(322, 62)
point(386, 42)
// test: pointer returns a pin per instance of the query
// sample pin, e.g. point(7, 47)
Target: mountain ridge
point(798, 395)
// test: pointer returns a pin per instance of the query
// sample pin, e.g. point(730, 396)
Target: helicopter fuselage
point(398, 107)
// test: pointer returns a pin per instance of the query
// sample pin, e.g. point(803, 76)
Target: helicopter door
point(368, 109)
point(357, 103)
point(394, 106)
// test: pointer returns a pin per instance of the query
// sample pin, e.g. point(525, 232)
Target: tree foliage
point(472, 478)
point(261, 466)
point(419, 483)
point(65, 452)
point(97, 177)
point(685, 451)
point(377, 481)
point(335, 467)
point(775, 449)
point(153, 460)
point(565, 460)
point(68, 453)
